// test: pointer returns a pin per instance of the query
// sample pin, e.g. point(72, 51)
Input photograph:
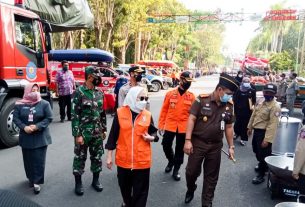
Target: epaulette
point(204, 95)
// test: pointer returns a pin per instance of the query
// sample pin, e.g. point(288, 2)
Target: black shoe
point(123, 205)
point(96, 183)
point(31, 184)
point(207, 205)
point(256, 169)
point(258, 180)
point(36, 189)
point(69, 119)
point(169, 167)
point(79, 189)
point(176, 174)
point(189, 196)
point(62, 121)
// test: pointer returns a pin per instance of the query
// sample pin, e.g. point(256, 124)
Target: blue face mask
point(225, 98)
point(268, 98)
point(246, 85)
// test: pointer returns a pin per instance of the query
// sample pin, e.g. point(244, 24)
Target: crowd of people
point(197, 123)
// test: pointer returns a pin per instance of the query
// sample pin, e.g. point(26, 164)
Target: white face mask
point(141, 105)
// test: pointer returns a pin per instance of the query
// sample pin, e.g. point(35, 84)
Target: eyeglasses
point(142, 98)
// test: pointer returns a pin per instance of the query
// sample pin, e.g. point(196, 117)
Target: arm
point(163, 112)
point(121, 97)
point(299, 159)
point(16, 118)
point(103, 119)
point(229, 134)
point(73, 80)
point(188, 146)
point(75, 113)
point(56, 82)
point(272, 125)
point(250, 124)
point(48, 117)
point(114, 134)
point(152, 130)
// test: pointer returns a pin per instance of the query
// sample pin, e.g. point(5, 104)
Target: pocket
point(121, 153)
point(144, 156)
point(265, 114)
point(206, 111)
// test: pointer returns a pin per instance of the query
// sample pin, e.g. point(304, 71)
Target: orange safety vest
point(132, 151)
point(175, 111)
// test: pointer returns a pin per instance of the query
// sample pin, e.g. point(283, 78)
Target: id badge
point(222, 125)
point(31, 117)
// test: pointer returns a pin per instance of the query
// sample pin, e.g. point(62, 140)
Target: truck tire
point(156, 86)
point(9, 132)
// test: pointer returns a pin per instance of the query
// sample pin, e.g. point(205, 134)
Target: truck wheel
point(9, 132)
point(156, 86)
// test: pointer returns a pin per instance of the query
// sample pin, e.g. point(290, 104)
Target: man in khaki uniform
point(264, 121)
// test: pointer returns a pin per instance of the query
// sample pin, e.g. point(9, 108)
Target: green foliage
point(281, 61)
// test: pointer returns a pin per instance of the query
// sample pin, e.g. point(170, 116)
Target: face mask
point(186, 85)
point(34, 95)
point(268, 98)
point(246, 85)
point(97, 81)
point(138, 78)
point(141, 105)
point(225, 98)
point(65, 68)
point(240, 76)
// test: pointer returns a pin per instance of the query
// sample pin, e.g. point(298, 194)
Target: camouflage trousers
point(95, 145)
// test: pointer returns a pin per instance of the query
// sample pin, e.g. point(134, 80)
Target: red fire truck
point(24, 44)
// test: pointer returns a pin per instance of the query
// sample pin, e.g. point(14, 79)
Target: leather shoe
point(123, 205)
point(169, 167)
point(256, 169)
point(62, 121)
point(258, 180)
point(189, 196)
point(37, 189)
point(176, 175)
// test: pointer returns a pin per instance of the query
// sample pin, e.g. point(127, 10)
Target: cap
point(228, 82)
point(92, 70)
point(188, 76)
point(271, 88)
point(136, 69)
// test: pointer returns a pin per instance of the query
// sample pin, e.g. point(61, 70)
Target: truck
point(24, 43)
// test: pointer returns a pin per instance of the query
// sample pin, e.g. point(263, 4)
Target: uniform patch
point(205, 119)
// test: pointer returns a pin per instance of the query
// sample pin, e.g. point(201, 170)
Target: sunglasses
point(142, 98)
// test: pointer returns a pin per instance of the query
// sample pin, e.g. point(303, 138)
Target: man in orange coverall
point(173, 121)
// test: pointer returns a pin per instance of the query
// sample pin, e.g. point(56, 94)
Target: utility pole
point(302, 66)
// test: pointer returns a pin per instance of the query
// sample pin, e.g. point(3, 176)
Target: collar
point(88, 89)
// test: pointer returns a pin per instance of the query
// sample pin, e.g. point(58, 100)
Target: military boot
point(79, 189)
point(176, 174)
point(96, 183)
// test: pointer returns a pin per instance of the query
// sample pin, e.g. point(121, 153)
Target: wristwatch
point(232, 147)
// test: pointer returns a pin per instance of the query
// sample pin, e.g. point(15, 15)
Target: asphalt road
point(234, 186)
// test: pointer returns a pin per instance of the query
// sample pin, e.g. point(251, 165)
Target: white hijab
point(131, 98)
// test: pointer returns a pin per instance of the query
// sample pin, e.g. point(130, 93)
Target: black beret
point(228, 82)
point(136, 69)
point(188, 76)
point(272, 88)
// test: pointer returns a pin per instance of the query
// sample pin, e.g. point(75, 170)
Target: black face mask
point(138, 78)
point(97, 81)
point(186, 85)
point(65, 68)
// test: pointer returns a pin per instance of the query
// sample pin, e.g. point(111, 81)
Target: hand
point(56, 94)
point(231, 154)
point(161, 132)
point(295, 176)
point(28, 129)
point(249, 132)
point(104, 135)
point(264, 144)
point(33, 127)
point(109, 162)
point(188, 147)
point(148, 137)
point(79, 140)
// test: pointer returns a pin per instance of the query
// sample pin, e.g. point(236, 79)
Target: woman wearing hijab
point(130, 135)
point(33, 115)
point(244, 100)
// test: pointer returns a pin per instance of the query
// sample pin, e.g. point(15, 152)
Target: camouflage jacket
point(88, 115)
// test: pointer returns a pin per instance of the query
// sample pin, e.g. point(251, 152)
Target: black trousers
point(64, 101)
point(134, 185)
point(261, 153)
point(301, 183)
point(34, 164)
point(167, 142)
point(241, 124)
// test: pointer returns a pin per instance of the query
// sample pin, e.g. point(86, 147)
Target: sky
point(238, 35)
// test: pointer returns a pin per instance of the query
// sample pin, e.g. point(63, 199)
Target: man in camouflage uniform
point(88, 129)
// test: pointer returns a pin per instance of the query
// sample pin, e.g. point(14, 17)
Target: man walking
point(88, 129)
point(211, 116)
point(291, 93)
point(65, 84)
point(173, 121)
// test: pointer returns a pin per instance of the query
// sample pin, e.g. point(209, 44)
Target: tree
point(281, 61)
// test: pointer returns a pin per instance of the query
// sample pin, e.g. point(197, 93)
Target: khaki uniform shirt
point(299, 159)
point(266, 116)
point(292, 89)
point(209, 116)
